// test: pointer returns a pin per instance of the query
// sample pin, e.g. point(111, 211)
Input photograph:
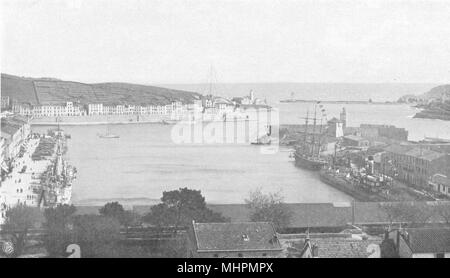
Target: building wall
point(388, 131)
point(441, 188)
point(410, 169)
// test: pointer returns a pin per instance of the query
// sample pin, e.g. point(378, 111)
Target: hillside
point(54, 91)
point(435, 94)
point(438, 92)
point(435, 103)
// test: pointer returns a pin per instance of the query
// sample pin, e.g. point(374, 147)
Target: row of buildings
point(14, 132)
point(75, 109)
point(260, 239)
point(206, 104)
point(418, 166)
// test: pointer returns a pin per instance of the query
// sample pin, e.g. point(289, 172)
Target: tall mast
point(314, 131)
point(320, 138)
point(305, 139)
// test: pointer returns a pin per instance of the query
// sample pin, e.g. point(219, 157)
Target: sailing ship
point(307, 152)
point(108, 134)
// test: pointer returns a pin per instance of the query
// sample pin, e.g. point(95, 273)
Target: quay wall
point(99, 119)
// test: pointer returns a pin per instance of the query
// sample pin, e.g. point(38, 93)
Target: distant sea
point(274, 92)
point(144, 162)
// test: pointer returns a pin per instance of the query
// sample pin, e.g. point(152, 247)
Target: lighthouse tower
point(343, 118)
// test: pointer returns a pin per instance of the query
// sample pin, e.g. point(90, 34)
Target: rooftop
point(441, 179)
point(414, 152)
point(337, 245)
point(429, 240)
point(354, 137)
point(241, 236)
point(335, 120)
point(313, 215)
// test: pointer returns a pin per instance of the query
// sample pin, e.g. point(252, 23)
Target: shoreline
point(339, 102)
point(94, 123)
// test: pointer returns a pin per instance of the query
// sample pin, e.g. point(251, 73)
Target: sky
point(147, 41)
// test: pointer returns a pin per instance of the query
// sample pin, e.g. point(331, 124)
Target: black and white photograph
point(244, 129)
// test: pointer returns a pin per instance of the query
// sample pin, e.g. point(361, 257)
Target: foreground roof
point(243, 236)
point(429, 240)
point(330, 245)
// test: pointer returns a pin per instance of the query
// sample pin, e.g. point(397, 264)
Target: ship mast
point(305, 137)
point(314, 131)
point(320, 138)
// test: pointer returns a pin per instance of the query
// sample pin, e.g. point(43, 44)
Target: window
point(440, 255)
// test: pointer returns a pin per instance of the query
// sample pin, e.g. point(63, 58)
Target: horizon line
point(137, 82)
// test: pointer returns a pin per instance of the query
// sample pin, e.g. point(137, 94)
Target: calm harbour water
point(144, 161)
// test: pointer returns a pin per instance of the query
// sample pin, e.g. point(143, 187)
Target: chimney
point(315, 251)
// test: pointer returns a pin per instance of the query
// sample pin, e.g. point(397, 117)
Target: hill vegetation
point(54, 91)
point(435, 94)
point(435, 103)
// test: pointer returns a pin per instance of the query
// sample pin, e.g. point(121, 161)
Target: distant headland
point(435, 103)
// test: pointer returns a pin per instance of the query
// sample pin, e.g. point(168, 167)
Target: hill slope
point(54, 91)
point(436, 93)
point(436, 104)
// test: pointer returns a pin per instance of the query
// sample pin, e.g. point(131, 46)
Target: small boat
point(260, 143)
point(264, 140)
point(164, 122)
point(108, 134)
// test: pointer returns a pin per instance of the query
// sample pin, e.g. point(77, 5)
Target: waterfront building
point(335, 128)
point(355, 141)
point(48, 110)
point(250, 99)
point(14, 131)
point(95, 109)
point(24, 109)
point(5, 102)
point(386, 131)
point(413, 165)
point(440, 183)
point(233, 240)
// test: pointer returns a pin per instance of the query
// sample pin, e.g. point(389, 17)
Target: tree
point(59, 226)
point(443, 210)
point(97, 235)
point(407, 212)
point(115, 210)
point(268, 208)
point(18, 220)
point(179, 208)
